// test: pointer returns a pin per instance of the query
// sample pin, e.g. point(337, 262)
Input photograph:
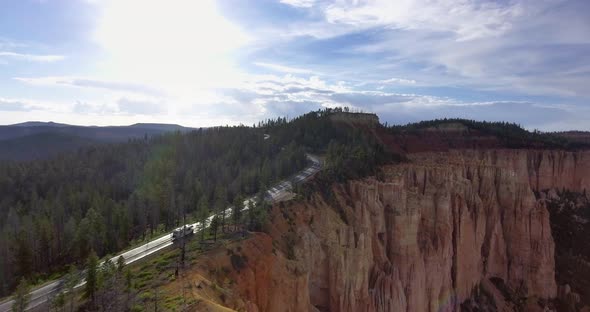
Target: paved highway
point(47, 291)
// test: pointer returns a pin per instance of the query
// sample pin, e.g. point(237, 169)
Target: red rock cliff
point(422, 237)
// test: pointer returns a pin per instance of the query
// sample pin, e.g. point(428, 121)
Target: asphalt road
point(48, 290)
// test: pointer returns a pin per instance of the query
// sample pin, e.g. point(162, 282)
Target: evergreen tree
point(214, 227)
point(23, 255)
point(237, 210)
point(221, 205)
point(257, 213)
point(107, 288)
point(21, 296)
point(120, 264)
point(128, 279)
point(91, 276)
point(202, 215)
point(70, 281)
point(58, 302)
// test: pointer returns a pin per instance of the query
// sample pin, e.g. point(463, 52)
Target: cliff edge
point(433, 234)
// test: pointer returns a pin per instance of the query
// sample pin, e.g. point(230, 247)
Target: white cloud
point(87, 108)
point(28, 104)
point(397, 81)
point(30, 57)
point(299, 3)
point(271, 95)
point(465, 19)
point(9, 44)
point(263, 96)
point(140, 106)
point(468, 19)
point(12, 105)
point(85, 82)
point(520, 46)
point(266, 96)
point(545, 51)
point(284, 69)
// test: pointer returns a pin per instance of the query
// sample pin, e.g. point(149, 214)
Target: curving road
point(47, 291)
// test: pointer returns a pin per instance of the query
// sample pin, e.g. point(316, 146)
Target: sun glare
point(178, 45)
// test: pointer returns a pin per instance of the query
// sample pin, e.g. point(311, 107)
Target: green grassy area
point(150, 275)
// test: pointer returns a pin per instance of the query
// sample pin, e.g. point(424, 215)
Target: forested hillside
point(54, 212)
point(506, 135)
point(100, 198)
point(351, 150)
point(41, 145)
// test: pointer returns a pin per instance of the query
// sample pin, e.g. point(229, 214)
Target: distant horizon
point(249, 125)
point(93, 125)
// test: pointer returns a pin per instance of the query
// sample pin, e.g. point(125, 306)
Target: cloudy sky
point(206, 62)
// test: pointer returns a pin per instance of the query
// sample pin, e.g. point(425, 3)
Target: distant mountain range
point(37, 140)
point(39, 124)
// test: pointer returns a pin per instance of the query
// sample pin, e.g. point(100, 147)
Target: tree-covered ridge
point(511, 135)
point(58, 211)
point(350, 152)
point(54, 212)
point(313, 130)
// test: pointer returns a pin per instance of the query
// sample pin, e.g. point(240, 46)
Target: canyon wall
point(544, 169)
point(420, 237)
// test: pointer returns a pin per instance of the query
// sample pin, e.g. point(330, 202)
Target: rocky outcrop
point(423, 236)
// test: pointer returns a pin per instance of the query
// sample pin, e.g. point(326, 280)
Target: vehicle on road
point(183, 231)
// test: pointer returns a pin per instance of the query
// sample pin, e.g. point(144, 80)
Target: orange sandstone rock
point(420, 239)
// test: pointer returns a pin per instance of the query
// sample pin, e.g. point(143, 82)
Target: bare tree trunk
point(155, 299)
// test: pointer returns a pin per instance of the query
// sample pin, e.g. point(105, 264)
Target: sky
point(203, 63)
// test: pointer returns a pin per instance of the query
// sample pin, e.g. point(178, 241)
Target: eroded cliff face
point(543, 169)
point(423, 236)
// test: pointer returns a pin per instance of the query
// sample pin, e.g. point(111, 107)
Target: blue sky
point(206, 62)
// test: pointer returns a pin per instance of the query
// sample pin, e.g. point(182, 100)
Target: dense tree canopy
point(54, 212)
point(511, 135)
point(351, 150)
